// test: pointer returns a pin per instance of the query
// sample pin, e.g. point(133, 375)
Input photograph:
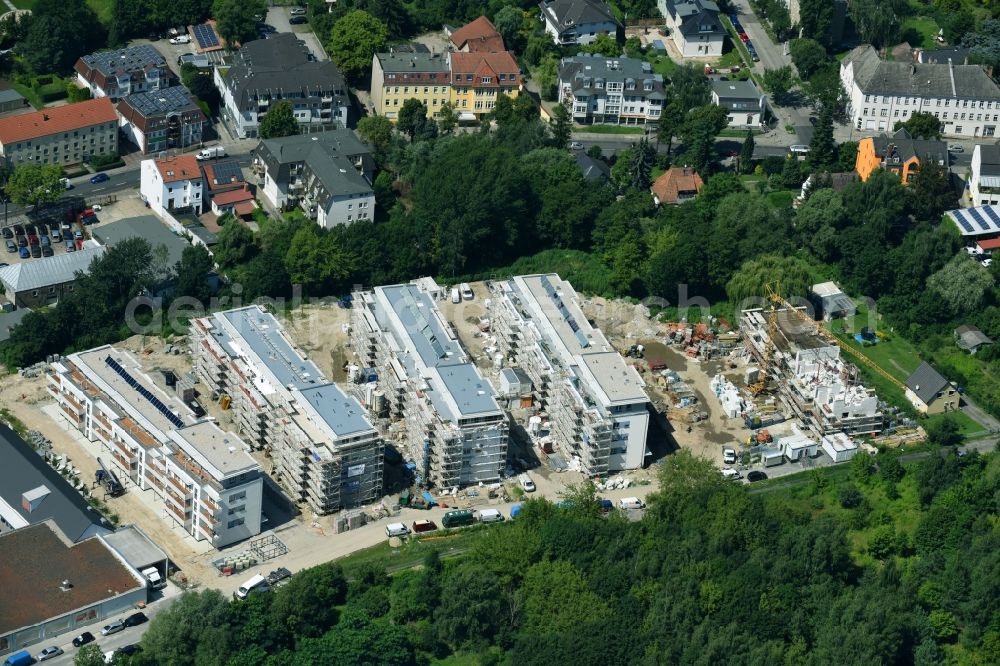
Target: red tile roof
point(182, 167)
point(485, 64)
point(479, 35)
point(233, 196)
point(676, 180)
point(244, 208)
point(36, 561)
point(991, 244)
point(57, 119)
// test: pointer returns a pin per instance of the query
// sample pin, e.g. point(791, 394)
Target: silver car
point(113, 628)
point(49, 653)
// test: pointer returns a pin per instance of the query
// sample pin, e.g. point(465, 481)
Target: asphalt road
point(771, 54)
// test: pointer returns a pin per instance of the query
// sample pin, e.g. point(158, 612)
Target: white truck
point(256, 584)
point(153, 577)
point(209, 153)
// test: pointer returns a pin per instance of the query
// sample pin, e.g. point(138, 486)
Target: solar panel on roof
point(992, 214)
point(959, 217)
point(205, 36)
point(582, 339)
point(227, 172)
point(974, 214)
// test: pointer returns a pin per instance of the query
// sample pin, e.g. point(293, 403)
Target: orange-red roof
point(480, 35)
point(181, 167)
point(244, 208)
point(57, 119)
point(990, 244)
point(676, 180)
point(484, 64)
point(233, 196)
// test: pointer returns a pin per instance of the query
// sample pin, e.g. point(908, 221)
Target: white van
point(456, 295)
point(799, 149)
point(731, 474)
point(396, 530)
point(210, 153)
point(490, 516)
point(527, 485)
point(631, 503)
point(467, 291)
point(256, 584)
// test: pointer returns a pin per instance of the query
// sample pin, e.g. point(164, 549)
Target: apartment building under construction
point(810, 374)
point(596, 403)
point(452, 426)
point(208, 482)
point(326, 452)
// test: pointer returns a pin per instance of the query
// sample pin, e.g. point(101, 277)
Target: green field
point(920, 31)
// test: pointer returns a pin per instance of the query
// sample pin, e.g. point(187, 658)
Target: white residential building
point(882, 93)
point(326, 452)
point(984, 179)
point(744, 102)
point(445, 412)
point(596, 403)
point(208, 482)
point(623, 90)
point(694, 25)
point(578, 21)
point(172, 184)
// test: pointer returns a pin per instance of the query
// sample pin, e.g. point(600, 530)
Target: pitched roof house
point(970, 338)
point(984, 179)
point(930, 392)
point(694, 26)
point(479, 77)
point(901, 154)
point(676, 185)
point(578, 21)
point(479, 35)
point(122, 72)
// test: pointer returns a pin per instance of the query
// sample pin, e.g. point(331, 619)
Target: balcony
point(178, 514)
point(184, 490)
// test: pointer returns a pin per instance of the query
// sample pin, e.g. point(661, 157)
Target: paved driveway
point(278, 17)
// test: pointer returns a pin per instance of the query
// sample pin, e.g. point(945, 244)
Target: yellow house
point(397, 77)
point(478, 79)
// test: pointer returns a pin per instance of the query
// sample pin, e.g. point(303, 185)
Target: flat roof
point(143, 226)
point(262, 336)
point(218, 451)
point(138, 549)
point(35, 563)
point(467, 394)
point(556, 299)
point(330, 406)
point(619, 381)
point(422, 325)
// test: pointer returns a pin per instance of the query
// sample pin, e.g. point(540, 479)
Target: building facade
point(622, 91)
point(207, 481)
point(744, 102)
point(41, 282)
point(326, 452)
point(438, 406)
point(984, 179)
point(694, 25)
point(478, 78)
point(597, 404)
point(266, 71)
point(65, 135)
point(162, 120)
point(172, 184)
point(881, 93)
point(401, 75)
point(123, 72)
point(899, 154)
point(577, 21)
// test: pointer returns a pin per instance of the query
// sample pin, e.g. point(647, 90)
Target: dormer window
point(647, 86)
point(487, 79)
point(599, 84)
point(630, 85)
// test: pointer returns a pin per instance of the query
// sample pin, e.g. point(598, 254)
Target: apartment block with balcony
point(327, 175)
point(162, 120)
point(266, 71)
point(326, 452)
point(65, 135)
point(437, 403)
point(400, 75)
point(618, 91)
point(123, 72)
point(596, 403)
point(208, 483)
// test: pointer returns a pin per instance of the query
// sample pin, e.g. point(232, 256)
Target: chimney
point(65, 586)
point(45, 116)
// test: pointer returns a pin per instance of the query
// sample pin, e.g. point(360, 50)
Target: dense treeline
point(890, 566)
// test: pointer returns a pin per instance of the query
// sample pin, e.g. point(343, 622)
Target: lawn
point(611, 129)
point(920, 31)
point(661, 64)
point(101, 7)
point(414, 550)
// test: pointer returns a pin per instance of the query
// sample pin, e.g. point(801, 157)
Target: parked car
point(955, 148)
point(756, 475)
point(135, 619)
point(56, 236)
point(744, 37)
point(36, 251)
point(298, 20)
point(45, 239)
point(129, 649)
point(112, 628)
point(22, 241)
point(83, 639)
point(278, 575)
point(101, 177)
point(47, 251)
point(297, 11)
point(420, 526)
point(24, 252)
point(8, 232)
point(70, 245)
point(575, 145)
point(11, 246)
point(49, 653)
point(77, 233)
point(181, 39)
point(729, 456)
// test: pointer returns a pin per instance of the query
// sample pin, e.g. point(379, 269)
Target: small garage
point(798, 446)
point(138, 550)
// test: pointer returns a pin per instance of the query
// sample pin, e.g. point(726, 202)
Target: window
point(885, 112)
point(958, 130)
point(234, 523)
point(235, 497)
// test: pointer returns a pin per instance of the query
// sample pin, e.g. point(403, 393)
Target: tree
point(470, 607)
point(691, 87)
point(508, 22)
point(877, 21)
point(641, 165)
point(33, 184)
point(930, 192)
point(279, 121)
point(750, 280)
point(815, 19)
point(75, 93)
point(236, 19)
point(318, 262)
point(819, 220)
point(307, 605)
point(561, 126)
point(447, 119)
point(546, 75)
point(236, 244)
point(192, 271)
point(89, 655)
point(984, 44)
point(604, 45)
point(194, 630)
point(354, 41)
point(822, 148)
point(779, 83)
point(808, 55)
point(921, 125)
point(962, 284)
point(203, 88)
point(746, 154)
point(376, 131)
point(412, 118)
point(943, 432)
point(57, 33)
point(699, 130)
point(557, 597)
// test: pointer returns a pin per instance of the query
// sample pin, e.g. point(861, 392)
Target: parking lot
point(47, 237)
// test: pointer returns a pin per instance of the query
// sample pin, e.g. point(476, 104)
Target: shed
point(970, 338)
point(839, 446)
point(771, 457)
point(11, 100)
point(514, 383)
point(795, 447)
point(832, 302)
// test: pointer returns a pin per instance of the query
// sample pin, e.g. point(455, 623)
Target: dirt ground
point(319, 331)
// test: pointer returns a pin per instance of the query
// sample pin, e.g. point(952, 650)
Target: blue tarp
point(429, 498)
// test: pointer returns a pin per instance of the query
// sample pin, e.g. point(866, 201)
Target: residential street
point(771, 54)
